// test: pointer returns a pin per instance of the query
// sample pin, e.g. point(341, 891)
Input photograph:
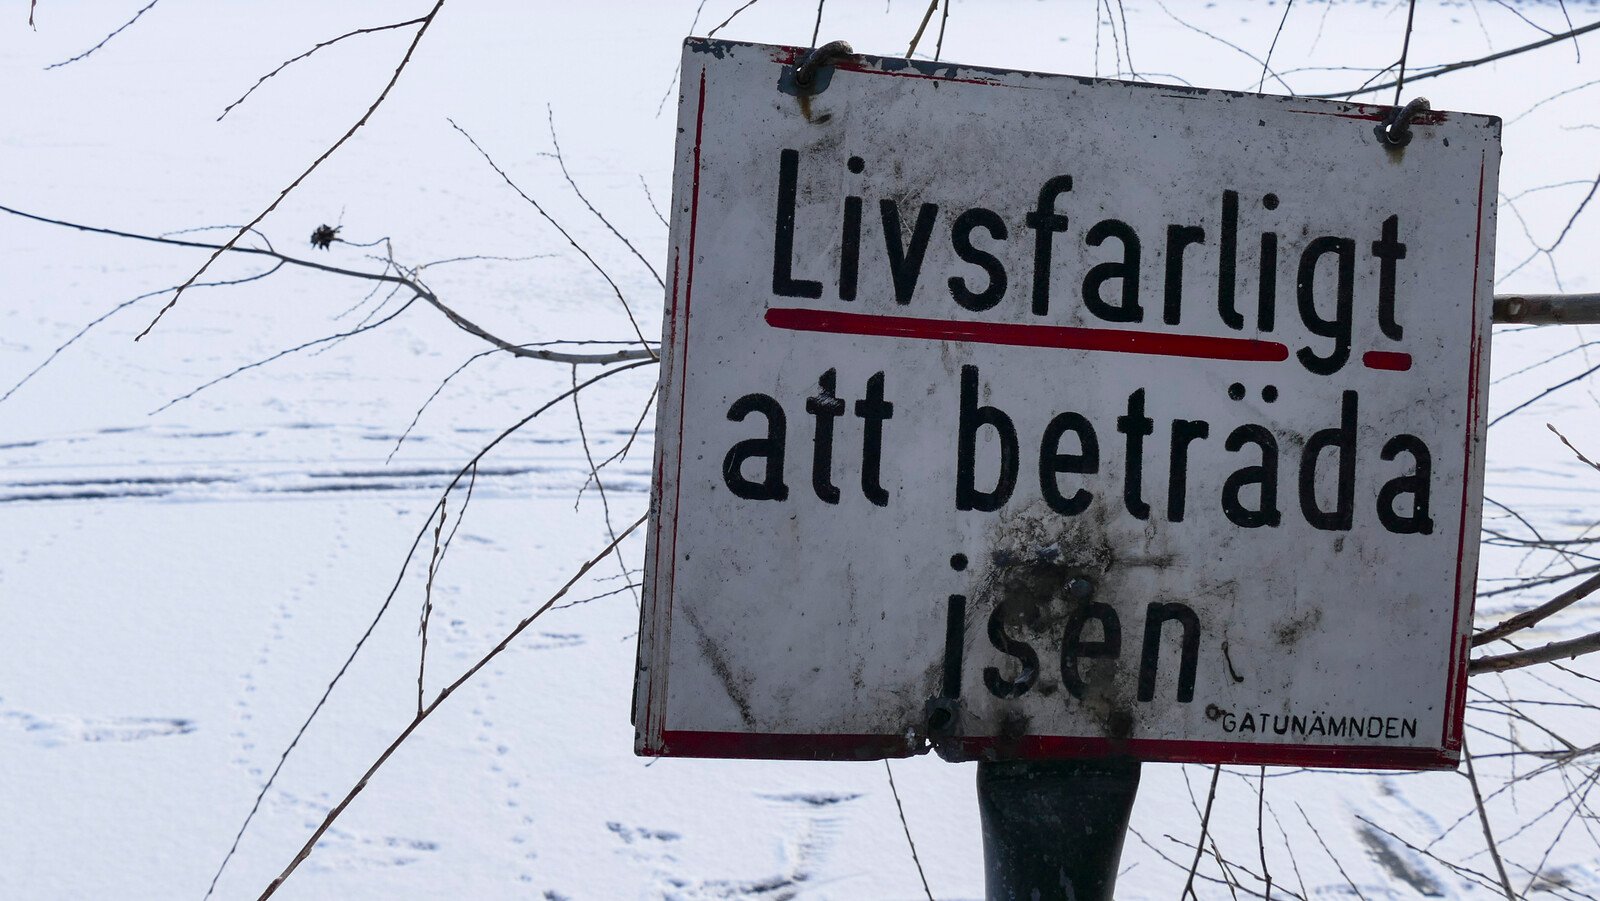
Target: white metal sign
point(1026, 415)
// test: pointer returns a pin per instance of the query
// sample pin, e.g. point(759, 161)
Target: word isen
point(1111, 289)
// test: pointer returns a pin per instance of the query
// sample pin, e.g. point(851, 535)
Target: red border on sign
point(800, 746)
point(682, 354)
point(1459, 648)
point(819, 746)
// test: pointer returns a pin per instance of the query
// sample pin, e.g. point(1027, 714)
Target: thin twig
point(377, 617)
point(1482, 879)
point(1577, 50)
point(564, 233)
point(652, 201)
point(1227, 43)
point(1205, 825)
point(1556, 650)
point(906, 828)
point(444, 694)
point(562, 162)
point(289, 62)
point(622, 452)
point(627, 586)
point(103, 41)
point(1262, 81)
point(1465, 64)
point(427, 20)
point(724, 24)
point(427, 606)
point(1261, 830)
point(594, 473)
point(113, 311)
point(1546, 393)
point(1405, 52)
point(1348, 881)
point(433, 572)
point(926, 17)
point(1528, 618)
point(280, 355)
point(1483, 817)
point(412, 284)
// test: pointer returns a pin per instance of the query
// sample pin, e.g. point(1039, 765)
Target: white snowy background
point(179, 584)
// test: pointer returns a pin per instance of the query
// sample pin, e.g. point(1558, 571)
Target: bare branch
point(416, 287)
point(926, 18)
point(1571, 447)
point(427, 603)
point(724, 24)
point(1464, 64)
point(562, 162)
point(1483, 818)
point(652, 201)
point(1261, 829)
point(377, 617)
point(1556, 650)
point(333, 814)
point(1205, 826)
point(906, 828)
point(103, 41)
point(594, 473)
point(1309, 825)
point(627, 586)
point(283, 353)
point(1261, 82)
point(1482, 879)
point(1546, 393)
point(570, 240)
point(622, 452)
point(944, 20)
point(382, 95)
point(289, 62)
point(113, 311)
point(1528, 618)
point(1225, 42)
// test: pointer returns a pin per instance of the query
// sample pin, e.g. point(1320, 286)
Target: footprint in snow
point(54, 731)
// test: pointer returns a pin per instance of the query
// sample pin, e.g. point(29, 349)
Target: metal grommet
point(805, 74)
point(1395, 131)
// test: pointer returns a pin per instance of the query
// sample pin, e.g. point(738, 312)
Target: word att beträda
point(1252, 496)
point(1120, 302)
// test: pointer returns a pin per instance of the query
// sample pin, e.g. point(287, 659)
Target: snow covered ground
point(178, 587)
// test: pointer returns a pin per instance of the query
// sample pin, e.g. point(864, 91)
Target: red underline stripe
point(1392, 361)
point(1200, 347)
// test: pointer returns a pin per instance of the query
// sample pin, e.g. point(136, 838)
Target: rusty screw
point(805, 74)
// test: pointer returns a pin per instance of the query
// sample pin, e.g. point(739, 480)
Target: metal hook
point(805, 74)
point(1395, 131)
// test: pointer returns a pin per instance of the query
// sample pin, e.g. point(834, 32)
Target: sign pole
point(1053, 829)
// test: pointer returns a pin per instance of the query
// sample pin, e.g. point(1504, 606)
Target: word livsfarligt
point(905, 256)
point(1071, 445)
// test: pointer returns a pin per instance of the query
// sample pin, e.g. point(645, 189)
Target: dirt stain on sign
point(719, 665)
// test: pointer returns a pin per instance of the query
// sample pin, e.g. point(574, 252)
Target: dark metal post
point(1053, 830)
